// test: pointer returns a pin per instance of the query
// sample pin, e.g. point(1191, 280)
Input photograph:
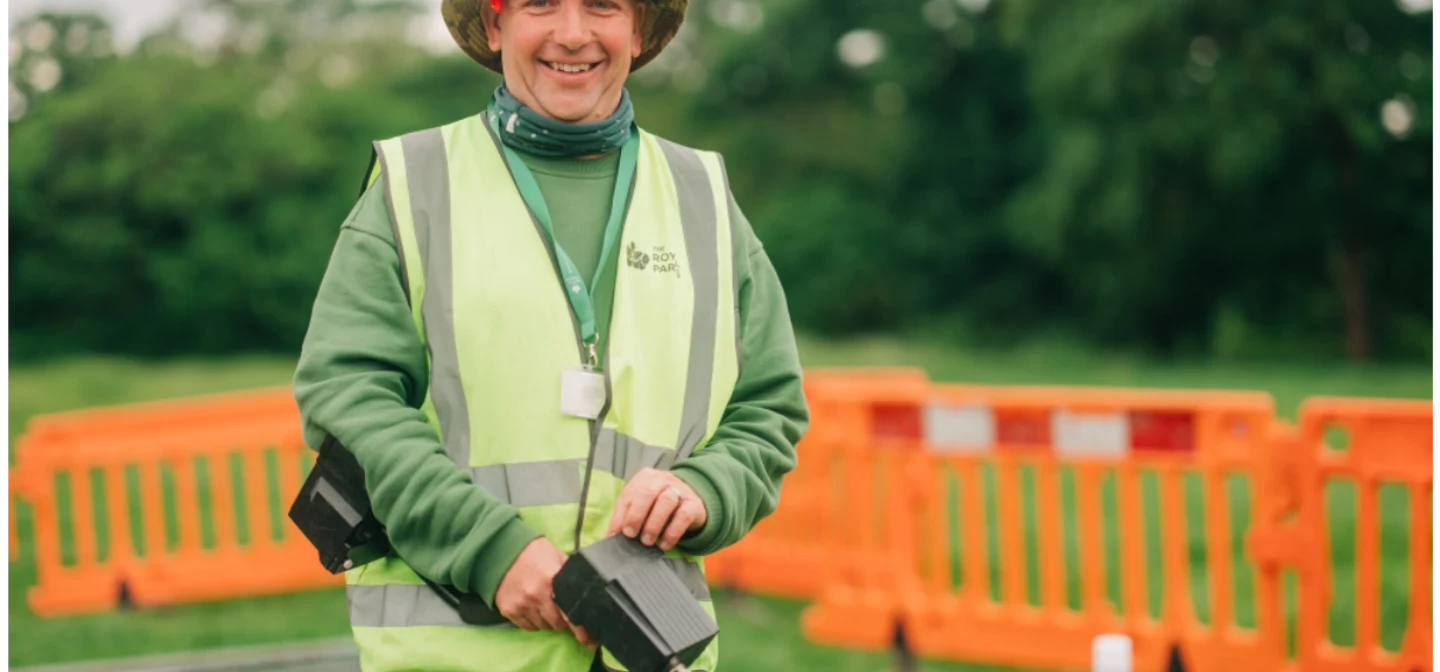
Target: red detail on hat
point(496, 5)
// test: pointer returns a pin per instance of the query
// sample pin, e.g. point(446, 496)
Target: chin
point(571, 111)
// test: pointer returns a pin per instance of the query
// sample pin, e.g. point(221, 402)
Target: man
point(541, 326)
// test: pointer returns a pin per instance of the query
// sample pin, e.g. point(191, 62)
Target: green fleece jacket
point(363, 375)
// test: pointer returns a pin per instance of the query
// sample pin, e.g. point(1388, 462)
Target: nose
point(571, 31)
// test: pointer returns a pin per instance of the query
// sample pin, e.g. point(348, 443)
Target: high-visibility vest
point(489, 305)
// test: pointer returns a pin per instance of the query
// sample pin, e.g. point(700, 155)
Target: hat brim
point(466, 21)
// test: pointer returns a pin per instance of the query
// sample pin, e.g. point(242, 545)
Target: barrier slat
point(974, 547)
point(1219, 554)
point(1417, 643)
point(1314, 589)
point(187, 504)
point(1132, 545)
point(1177, 604)
point(941, 522)
point(152, 510)
point(222, 498)
point(82, 517)
point(257, 497)
point(1013, 563)
point(1051, 536)
point(122, 545)
point(1091, 531)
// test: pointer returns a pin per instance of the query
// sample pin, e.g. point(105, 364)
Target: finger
point(550, 612)
point(514, 616)
point(584, 636)
point(679, 524)
point(665, 504)
point(521, 620)
point(618, 517)
point(639, 510)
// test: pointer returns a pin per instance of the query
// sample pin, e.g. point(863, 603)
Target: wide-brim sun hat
point(466, 21)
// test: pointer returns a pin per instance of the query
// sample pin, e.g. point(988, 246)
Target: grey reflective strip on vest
point(735, 246)
point(427, 171)
point(394, 221)
point(622, 455)
point(548, 482)
point(697, 216)
point(531, 483)
point(403, 605)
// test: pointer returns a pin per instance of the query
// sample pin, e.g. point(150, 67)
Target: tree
point(1267, 159)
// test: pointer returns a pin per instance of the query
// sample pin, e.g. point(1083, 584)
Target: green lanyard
point(575, 287)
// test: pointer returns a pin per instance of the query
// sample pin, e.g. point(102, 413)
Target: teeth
point(566, 67)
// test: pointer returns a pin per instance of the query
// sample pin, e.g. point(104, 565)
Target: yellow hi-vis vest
point(489, 304)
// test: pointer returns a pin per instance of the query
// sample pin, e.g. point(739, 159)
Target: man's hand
point(657, 505)
point(525, 597)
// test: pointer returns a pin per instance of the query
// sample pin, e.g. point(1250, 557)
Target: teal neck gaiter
point(525, 130)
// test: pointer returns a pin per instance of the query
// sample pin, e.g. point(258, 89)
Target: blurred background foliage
point(1185, 179)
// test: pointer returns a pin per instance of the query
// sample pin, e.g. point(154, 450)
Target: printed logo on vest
point(666, 263)
point(636, 258)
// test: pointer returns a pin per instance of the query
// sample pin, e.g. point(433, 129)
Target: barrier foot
point(1177, 661)
point(123, 598)
point(904, 657)
point(731, 593)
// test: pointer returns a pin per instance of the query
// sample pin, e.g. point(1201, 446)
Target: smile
point(570, 67)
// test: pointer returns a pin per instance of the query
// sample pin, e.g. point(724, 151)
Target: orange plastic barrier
point(143, 455)
point(1389, 443)
point(971, 429)
point(907, 514)
point(15, 533)
point(990, 440)
point(788, 552)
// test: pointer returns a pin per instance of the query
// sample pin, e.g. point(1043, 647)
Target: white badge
point(582, 393)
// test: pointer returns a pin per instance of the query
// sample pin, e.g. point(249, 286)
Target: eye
point(603, 4)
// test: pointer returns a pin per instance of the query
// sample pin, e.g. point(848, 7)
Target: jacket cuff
point(499, 555)
point(706, 539)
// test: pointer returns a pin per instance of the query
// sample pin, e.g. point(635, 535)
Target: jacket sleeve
point(739, 470)
point(362, 377)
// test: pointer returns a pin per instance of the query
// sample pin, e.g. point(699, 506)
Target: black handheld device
point(630, 600)
point(333, 511)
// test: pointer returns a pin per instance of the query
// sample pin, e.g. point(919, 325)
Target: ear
point(638, 41)
point(492, 25)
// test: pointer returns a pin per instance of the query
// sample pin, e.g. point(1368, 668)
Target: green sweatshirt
point(363, 375)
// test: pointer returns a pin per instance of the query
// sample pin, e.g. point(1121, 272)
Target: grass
point(759, 633)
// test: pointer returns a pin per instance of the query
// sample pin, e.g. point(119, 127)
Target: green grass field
point(759, 633)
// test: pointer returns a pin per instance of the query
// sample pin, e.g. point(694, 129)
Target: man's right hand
point(525, 596)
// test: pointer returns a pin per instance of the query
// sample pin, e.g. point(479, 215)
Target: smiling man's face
point(566, 59)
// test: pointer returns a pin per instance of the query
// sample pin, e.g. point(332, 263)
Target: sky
point(133, 18)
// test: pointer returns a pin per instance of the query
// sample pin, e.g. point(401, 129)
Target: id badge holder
point(582, 391)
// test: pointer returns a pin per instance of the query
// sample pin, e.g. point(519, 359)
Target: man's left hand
point(657, 505)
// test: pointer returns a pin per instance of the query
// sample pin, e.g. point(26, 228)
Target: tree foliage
point(1184, 177)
